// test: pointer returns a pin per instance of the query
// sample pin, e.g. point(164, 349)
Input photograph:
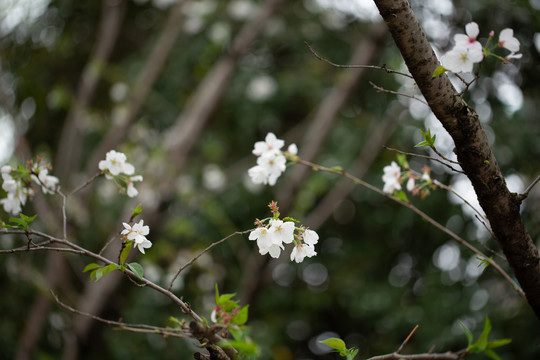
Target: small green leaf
point(137, 269)
point(125, 251)
point(137, 210)
point(242, 316)
point(492, 354)
point(498, 343)
point(335, 343)
point(401, 195)
point(422, 143)
point(97, 274)
point(467, 332)
point(91, 266)
point(107, 269)
point(439, 70)
point(482, 341)
point(402, 160)
point(337, 169)
point(224, 298)
point(27, 219)
point(21, 224)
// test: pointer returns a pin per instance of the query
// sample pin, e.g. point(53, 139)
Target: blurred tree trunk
point(471, 146)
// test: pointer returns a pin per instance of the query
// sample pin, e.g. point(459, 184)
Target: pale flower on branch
point(115, 163)
point(310, 237)
point(509, 42)
point(391, 178)
point(6, 172)
point(410, 183)
point(48, 182)
point(292, 149)
point(301, 251)
point(11, 204)
point(466, 52)
point(282, 232)
point(137, 233)
point(270, 145)
point(131, 190)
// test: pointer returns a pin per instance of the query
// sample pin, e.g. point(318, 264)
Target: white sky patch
point(508, 92)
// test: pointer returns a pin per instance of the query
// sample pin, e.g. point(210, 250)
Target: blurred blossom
point(195, 13)
point(261, 88)
point(364, 10)
point(7, 136)
point(447, 256)
point(219, 33)
point(118, 91)
point(241, 9)
point(213, 177)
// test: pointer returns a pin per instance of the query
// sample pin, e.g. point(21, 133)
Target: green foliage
point(22, 222)
point(439, 71)
point(428, 139)
point(483, 345)
point(339, 346)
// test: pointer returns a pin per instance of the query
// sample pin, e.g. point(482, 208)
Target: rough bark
point(471, 146)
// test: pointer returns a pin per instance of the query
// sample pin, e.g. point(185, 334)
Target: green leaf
point(352, 353)
point(96, 274)
point(439, 70)
point(223, 299)
point(107, 269)
point(337, 169)
point(482, 341)
point(422, 143)
point(242, 316)
point(21, 224)
point(125, 251)
point(27, 219)
point(137, 269)
point(402, 160)
point(401, 195)
point(334, 343)
point(491, 354)
point(467, 332)
point(498, 343)
point(137, 210)
point(91, 266)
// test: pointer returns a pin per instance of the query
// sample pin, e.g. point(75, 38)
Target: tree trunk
point(471, 146)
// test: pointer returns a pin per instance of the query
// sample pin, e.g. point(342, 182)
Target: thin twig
point(381, 89)
point(529, 188)
point(384, 68)
point(87, 182)
point(189, 263)
point(139, 328)
point(419, 212)
point(406, 339)
point(429, 356)
point(424, 157)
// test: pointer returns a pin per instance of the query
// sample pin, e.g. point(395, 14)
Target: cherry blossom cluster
point(416, 184)
point(17, 183)
point(272, 233)
point(468, 51)
point(270, 160)
point(137, 233)
point(116, 168)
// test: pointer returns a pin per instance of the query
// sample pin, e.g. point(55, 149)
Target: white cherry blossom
point(391, 178)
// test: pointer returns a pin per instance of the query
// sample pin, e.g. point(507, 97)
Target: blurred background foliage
point(380, 270)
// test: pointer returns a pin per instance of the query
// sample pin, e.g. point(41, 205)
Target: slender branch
point(406, 339)
point(203, 252)
point(529, 188)
point(82, 251)
point(444, 356)
point(384, 68)
point(381, 89)
point(419, 212)
point(425, 157)
point(86, 183)
point(139, 328)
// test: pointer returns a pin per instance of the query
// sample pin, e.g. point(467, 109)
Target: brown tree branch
point(471, 146)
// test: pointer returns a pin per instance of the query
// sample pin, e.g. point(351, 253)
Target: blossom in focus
point(391, 178)
point(282, 232)
point(137, 233)
point(410, 183)
point(115, 163)
point(310, 237)
point(466, 52)
point(509, 42)
point(271, 144)
point(302, 251)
